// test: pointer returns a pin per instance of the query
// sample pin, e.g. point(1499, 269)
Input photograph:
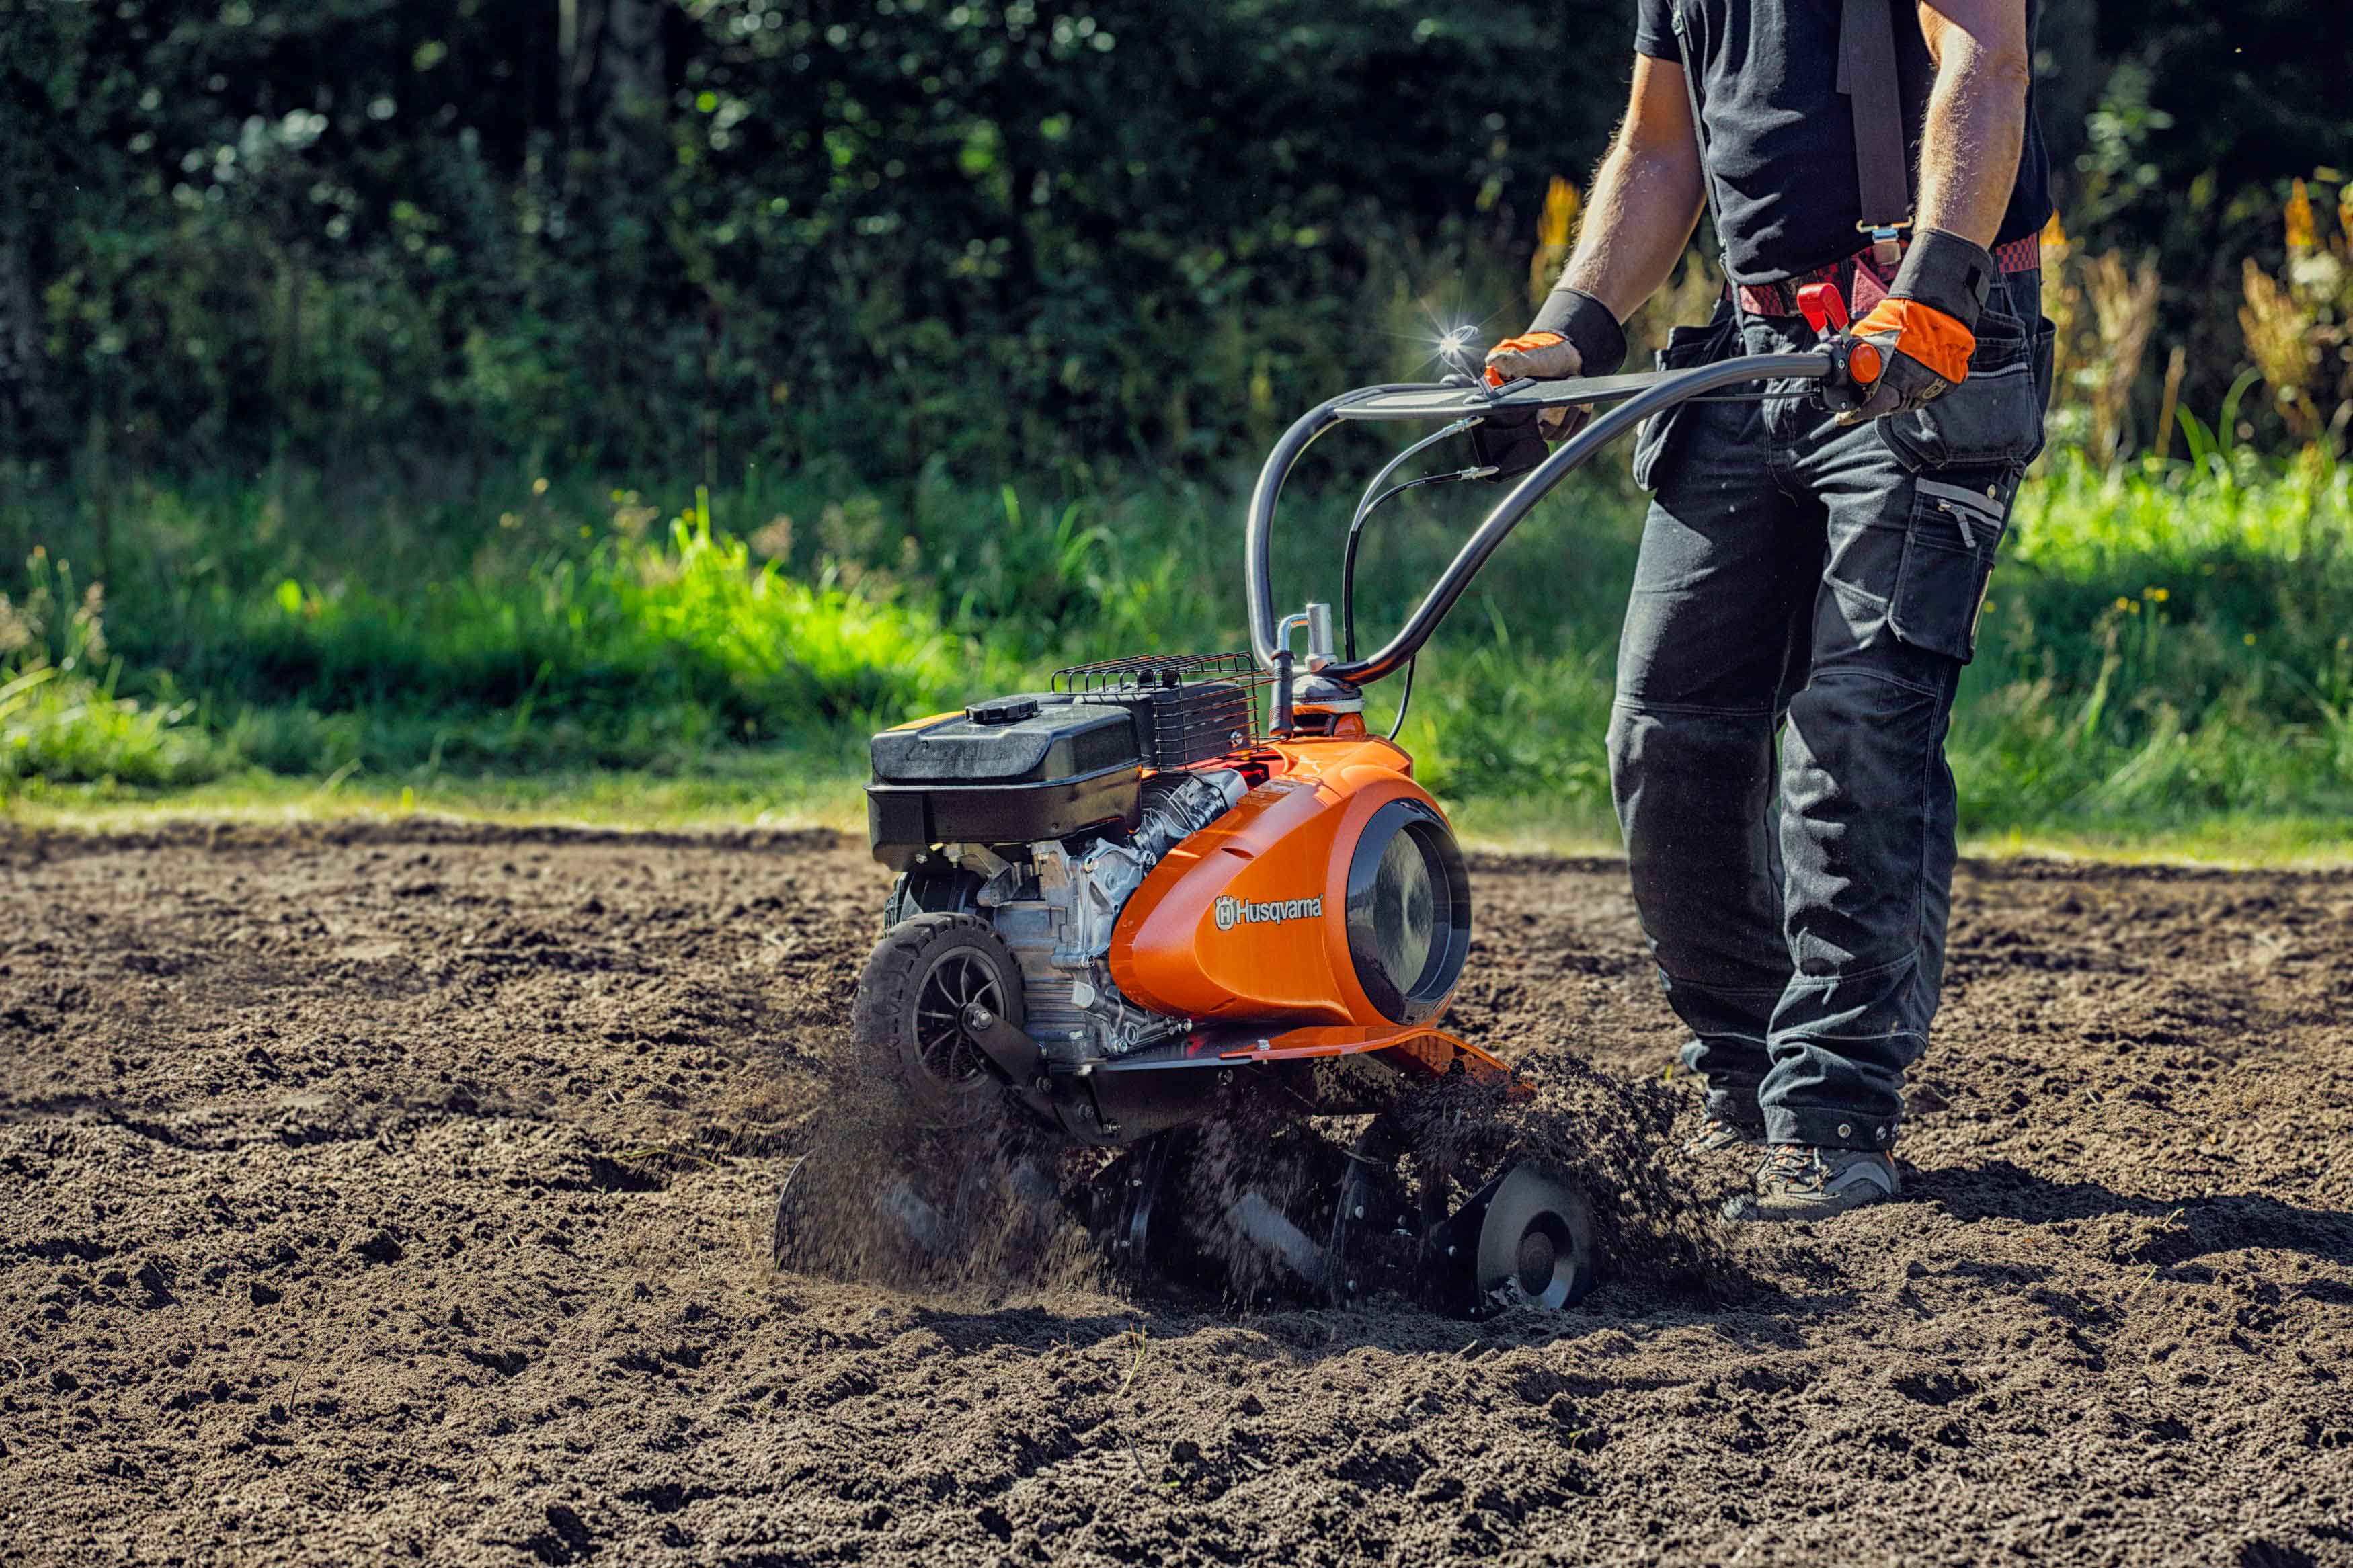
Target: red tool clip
point(1824, 307)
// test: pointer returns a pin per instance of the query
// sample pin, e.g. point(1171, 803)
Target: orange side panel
point(1247, 919)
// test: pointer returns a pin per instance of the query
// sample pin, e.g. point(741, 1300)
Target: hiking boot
point(1716, 1135)
point(1800, 1180)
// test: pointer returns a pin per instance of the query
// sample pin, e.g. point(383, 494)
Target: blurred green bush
point(416, 238)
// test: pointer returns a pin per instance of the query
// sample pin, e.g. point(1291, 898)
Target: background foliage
point(409, 389)
point(631, 233)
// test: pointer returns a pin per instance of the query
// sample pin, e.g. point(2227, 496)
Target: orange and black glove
point(1926, 329)
point(1574, 334)
point(1540, 356)
point(1543, 356)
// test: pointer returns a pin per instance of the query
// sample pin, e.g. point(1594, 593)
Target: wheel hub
point(944, 1045)
point(1535, 1262)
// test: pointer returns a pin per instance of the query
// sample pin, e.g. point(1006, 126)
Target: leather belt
point(1863, 283)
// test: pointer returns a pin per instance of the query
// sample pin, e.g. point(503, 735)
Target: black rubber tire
point(907, 1033)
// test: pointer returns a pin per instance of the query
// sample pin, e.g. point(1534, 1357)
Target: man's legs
point(1723, 576)
point(1867, 801)
point(1803, 899)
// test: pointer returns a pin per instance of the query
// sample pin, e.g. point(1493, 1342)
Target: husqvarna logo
point(1232, 911)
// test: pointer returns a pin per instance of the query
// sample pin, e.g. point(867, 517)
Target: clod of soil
point(386, 1192)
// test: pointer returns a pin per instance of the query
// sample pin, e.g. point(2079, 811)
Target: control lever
point(1855, 364)
point(1507, 443)
point(1824, 307)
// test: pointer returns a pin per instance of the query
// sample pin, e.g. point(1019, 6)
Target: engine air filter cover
point(1408, 911)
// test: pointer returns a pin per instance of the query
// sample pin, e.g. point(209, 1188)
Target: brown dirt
point(377, 1193)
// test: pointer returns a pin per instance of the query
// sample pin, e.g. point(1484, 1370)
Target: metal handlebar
point(1258, 560)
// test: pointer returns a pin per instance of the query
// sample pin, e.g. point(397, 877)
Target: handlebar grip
point(1855, 368)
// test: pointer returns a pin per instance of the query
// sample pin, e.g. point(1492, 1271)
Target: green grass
point(744, 790)
point(2162, 668)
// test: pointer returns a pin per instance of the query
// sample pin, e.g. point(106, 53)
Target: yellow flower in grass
point(1561, 202)
point(1553, 226)
point(2302, 233)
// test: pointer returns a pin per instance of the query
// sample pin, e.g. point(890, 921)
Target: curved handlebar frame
point(1258, 555)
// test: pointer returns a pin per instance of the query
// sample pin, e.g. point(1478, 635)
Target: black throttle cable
point(1365, 511)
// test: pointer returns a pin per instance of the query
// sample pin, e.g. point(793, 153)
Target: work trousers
point(1805, 597)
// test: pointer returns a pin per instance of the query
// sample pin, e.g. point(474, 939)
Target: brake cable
point(1405, 698)
point(1365, 506)
point(1348, 574)
point(1356, 534)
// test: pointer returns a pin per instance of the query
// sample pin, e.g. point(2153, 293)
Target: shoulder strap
point(1882, 150)
point(1687, 45)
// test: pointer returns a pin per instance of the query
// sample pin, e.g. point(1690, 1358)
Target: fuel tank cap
point(1003, 710)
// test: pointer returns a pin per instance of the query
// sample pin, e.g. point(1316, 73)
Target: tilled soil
point(385, 1193)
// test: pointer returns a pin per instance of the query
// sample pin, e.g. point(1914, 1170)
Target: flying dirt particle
point(1611, 1137)
point(882, 1192)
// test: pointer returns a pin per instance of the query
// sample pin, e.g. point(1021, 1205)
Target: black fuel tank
point(1013, 770)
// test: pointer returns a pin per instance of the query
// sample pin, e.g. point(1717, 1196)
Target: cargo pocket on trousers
point(1956, 523)
point(1687, 348)
point(1994, 419)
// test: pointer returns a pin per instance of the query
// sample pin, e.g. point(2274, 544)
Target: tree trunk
point(612, 83)
point(632, 113)
point(23, 387)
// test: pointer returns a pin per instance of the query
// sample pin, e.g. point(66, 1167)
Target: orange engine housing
point(1247, 920)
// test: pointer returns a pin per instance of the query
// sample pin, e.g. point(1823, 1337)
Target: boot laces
point(1795, 1164)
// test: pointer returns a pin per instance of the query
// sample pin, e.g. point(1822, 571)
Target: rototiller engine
point(1174, 890)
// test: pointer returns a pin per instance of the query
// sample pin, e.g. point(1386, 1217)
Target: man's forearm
point(1976, 115)
point(1646, 195)
point(1644, 206)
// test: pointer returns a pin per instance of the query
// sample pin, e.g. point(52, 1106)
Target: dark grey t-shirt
point(1780, 136)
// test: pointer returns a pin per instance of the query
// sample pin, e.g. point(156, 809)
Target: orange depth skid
point(1433, 1050)
point(1247, 920)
